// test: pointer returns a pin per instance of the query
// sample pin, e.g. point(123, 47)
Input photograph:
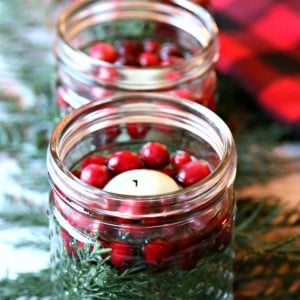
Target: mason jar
point(203, 3)
point(142, 203)
point(108, 47)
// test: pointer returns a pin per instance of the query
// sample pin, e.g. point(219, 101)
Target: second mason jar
point(107, 47)
point(142, 203)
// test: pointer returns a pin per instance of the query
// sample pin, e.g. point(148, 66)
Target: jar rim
point(191, 67)
point(222, 176)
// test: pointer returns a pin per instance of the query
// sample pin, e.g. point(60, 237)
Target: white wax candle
point(141, 182)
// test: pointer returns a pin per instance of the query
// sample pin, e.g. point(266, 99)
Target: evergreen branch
point(90, 279)
point(26, 217)
point(258, 261)
point(27, 285)
point(267, 276)
point(258, 215)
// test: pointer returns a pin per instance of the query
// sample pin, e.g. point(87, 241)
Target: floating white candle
point(141, 182)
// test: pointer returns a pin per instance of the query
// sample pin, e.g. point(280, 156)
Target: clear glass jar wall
point(186, 50)
point(203, 3)
point(175, 245)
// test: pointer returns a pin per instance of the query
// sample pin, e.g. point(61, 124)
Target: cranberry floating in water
point(130, 208)
point(147, 59)
point(123, 160)
point(155, 155)
point(180, 158)
point(128, 46)
point(170, 50)
point(95, 175)
point(103, 51)
point(76, 173)
point(137, 130)
point(151, 46)
point(71, 245)
point(112, 132)
point(93, 159)
point(158, 252)
point(121, 254)
point(193, 172)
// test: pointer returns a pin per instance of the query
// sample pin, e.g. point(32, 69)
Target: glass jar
point(107, 244)
point(203, 3)
point(127, 26)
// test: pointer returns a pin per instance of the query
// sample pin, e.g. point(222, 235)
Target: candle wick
point(135, 181)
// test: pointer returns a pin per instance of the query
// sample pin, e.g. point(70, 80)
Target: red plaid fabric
point(260, 48)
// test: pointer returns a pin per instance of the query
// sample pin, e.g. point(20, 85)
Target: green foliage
point(27, 285)
point(258, 259)
point(265, 260)
point(93, 278)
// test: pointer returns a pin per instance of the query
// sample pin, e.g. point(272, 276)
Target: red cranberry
point(170, 61)
point(155, 155)
point(164, 128)
point(95, 175)
point(185, 93)
point(127, 59)
point(131, 208)
point(208, 100)
point(180, 158)
point(170, 49)
point(107, 73)
point(187, 258)
point(172, 75)
point(76, 173)
point(70, 243)
point(112, 132)
point(131, 47)
point(103, 51)
point(79, 220)
point(137, 130)
point(158, 252)
point(107, 231)
point(224, 234)
point(93, 159)
point(168, 171)
point(123, 160)
point(151, 46)
point(121, 254)
point(184, 239)
point(204, 222)
point(61, 102)
point(151, 221)
point(148, 59)
point(168, 232)
point(99, 92)
point(193, 172)
point(58, 202)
